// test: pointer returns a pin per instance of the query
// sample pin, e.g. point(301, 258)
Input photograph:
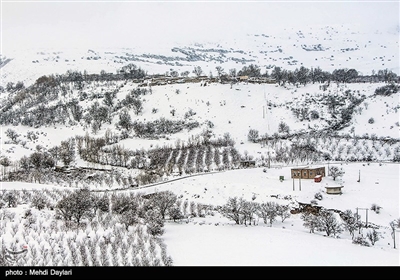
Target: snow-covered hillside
point(223, 108)
point(328, 47)
point(209, 125)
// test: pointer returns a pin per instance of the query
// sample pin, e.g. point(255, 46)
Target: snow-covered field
point(214, 240)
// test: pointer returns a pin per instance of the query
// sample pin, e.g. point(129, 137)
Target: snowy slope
point(214, 240)
point(328, 47)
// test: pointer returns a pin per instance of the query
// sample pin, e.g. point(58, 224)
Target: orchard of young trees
point(84, 228)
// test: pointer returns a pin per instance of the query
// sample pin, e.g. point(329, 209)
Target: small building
point(243, 78)
point(318, 178)
point(334, 189)
point(134, 185)
point(247, 163)
point(307, 172)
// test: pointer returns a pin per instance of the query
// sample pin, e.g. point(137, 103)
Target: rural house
point(307, 173)
point(243, 78)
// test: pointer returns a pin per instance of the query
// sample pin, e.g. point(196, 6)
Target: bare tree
point(163, 202)
point(12, 134)
point(373, 236)
point(329, 223)
point(137, 106)
point(11, 198)
point(350, 221)
point(197, 71)
point(130, 217)
point(175, 213)
point(76, 206)
point(283, 212)
point(220, 71)
point(253, 135)
point(268, 212)
point(283, 127)
point(249, 209)
point(232, 209)
point(335, 172)
point(39, 201)
point(310, 221)
point(155, 222)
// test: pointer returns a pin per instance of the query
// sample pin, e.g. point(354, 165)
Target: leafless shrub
point(376, 208)
point(373, 236)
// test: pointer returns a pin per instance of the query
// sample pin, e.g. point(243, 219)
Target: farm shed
point(318, 178)
point(334, 189)
point(307, 173)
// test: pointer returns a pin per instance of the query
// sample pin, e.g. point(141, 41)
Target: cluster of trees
point(387, 90)
point(42, 115)
point(331, 222)
point(384, 75)
point(65, 152)
point(162, 126)
point(37, 161)
point(96, 116)
point(132, 100)
point(129, 209)
point(127, 72)
point(37, 165)
point(246, 212)
point(303, 76)
point(341, 107)
point(325, 146)
point(324, 220)
point(11, 87)
point(33, 111)
point(82, 206)
point(197, 155)
point(95, 150)
point(131, 71)
point(188, 160)
point(335, 222)
point(41, 161)
point(251, 71)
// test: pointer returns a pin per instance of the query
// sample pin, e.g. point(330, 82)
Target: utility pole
point(359, 178)
point(357, 220)
point(269, 160)
point(366, 217)
point(393, 226)
point(300, 183)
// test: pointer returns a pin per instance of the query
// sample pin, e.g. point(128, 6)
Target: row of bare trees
point(248, 212)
